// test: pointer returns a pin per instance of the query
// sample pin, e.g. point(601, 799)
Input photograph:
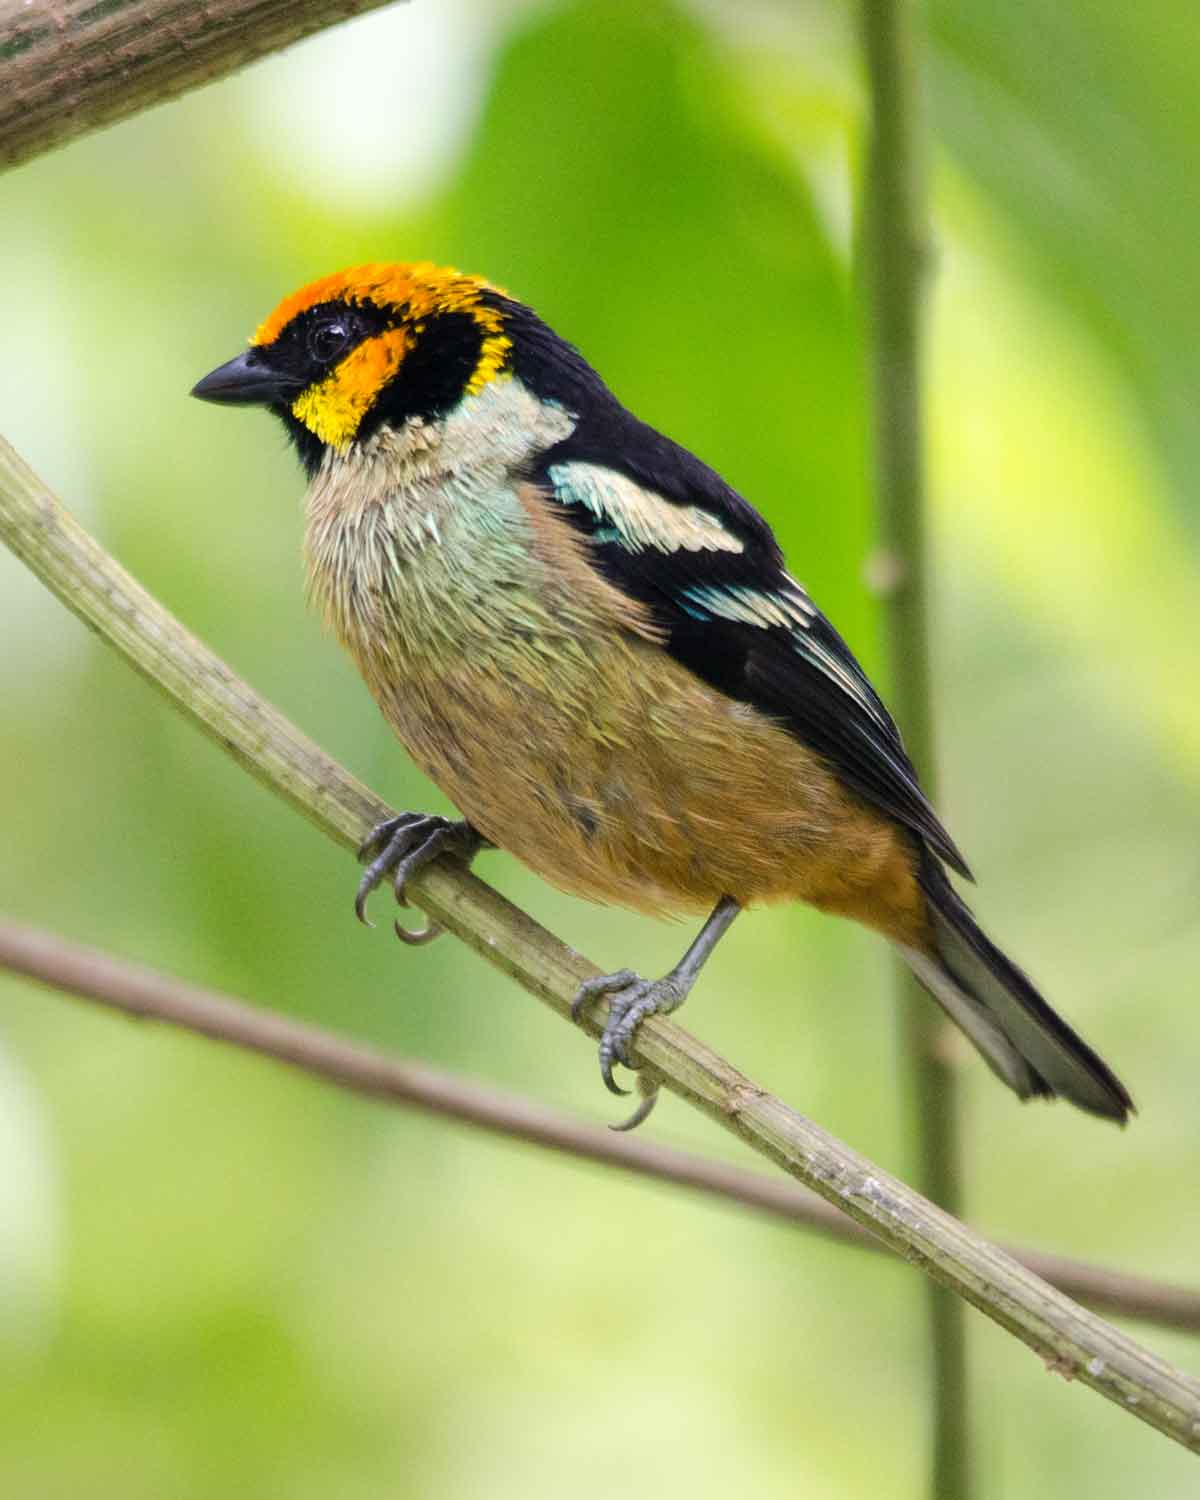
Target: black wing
point(669, 531)
point(716, 585)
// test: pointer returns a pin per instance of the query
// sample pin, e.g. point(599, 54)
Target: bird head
point(368, 346)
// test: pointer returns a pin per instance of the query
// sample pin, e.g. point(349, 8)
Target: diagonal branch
point(71, 66)
point(137, 991)
point(1073, 1341)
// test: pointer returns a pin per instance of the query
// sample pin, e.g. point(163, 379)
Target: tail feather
point(1023, 1040)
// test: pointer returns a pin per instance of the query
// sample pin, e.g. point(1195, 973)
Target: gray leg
point(631, 999)
point(399, 847)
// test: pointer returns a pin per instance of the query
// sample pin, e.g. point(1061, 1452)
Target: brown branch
point(1071, 1339)
point(137, 991)
point(71, 66)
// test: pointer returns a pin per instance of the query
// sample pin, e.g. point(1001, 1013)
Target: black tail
point(1025, 1042)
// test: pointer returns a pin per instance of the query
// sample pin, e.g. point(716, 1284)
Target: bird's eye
point(326, 340)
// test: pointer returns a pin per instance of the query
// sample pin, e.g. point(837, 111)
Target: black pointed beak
point(248, 381)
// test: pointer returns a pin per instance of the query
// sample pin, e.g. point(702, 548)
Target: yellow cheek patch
point(334, 408)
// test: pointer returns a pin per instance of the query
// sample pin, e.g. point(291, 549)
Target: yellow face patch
point(334, 408)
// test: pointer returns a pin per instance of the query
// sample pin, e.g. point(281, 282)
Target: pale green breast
point(418, 546)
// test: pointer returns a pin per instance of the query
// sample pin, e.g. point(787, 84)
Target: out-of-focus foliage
point(1078, 125)
point(215, 1278)
point(1080, 122)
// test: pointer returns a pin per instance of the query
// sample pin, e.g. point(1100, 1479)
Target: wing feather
point(731, 614)
point(668, 531)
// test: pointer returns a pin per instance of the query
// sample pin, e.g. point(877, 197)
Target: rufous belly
point(653, 791)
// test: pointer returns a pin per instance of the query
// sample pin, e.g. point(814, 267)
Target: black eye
point(327, 339)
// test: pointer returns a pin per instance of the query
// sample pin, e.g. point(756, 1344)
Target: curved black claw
point(630, 1000)
point(377, 847)
point(416, 937)
point(399, 847)
point(642, 1112)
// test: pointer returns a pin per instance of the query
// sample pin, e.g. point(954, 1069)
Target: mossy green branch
point(71, 66)
point(1072, 1341)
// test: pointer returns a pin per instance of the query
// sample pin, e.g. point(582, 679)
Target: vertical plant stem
point(897, 256)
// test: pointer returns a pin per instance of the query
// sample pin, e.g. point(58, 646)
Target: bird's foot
point(630, 1000)
point(399, 847)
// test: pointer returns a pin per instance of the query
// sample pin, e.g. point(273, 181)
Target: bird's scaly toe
point(630, 1000)
point(386, 843)
point(383, 833)
point(613, 1041)
point(602, 984)
point(649, 998)
point(406, 844)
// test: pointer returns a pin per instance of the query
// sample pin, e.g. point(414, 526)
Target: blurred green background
point(216, 1278)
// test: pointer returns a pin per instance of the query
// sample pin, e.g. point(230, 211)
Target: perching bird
point(590, 643)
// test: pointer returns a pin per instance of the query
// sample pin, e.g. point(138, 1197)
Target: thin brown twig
point(90, 974)
point(1070, 1339)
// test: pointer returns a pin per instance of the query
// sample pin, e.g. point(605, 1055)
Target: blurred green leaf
point(1081, 119)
